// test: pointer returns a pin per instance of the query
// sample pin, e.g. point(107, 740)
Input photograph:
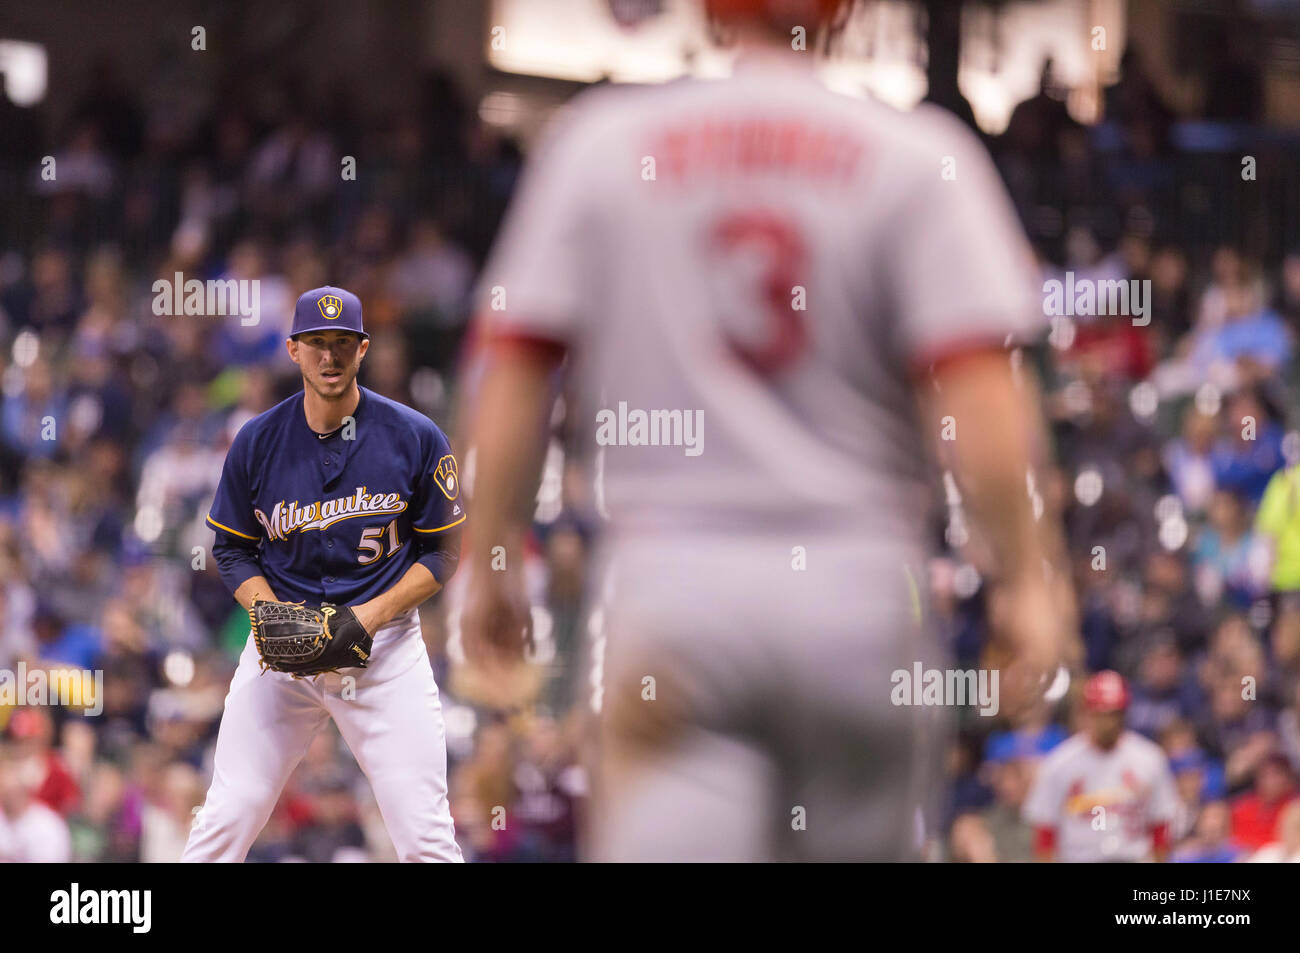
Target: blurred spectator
point(1171, 307)
point(552, 787)
point(1228, 560)
point(1170, 604)
point(165, 825)
point(1210, 843)
point(83, 170)
point(1277, 524)
point(1250, 451)
point(329, 832)
point(1235, 725)
point(1009, 838)
point(99, 831)
point(433, 276)
point(1255, 815)
point(1136, 104)
point(481, 789)
point(290, 175)
point(31, 419)
point(1036, 124)
point(1199, 781)
point(1251, 345)
point(1163, 691)
point(1289, 729)
point(39, 764)
point(1285, 847)
point(1188, 460)
point(30, 832)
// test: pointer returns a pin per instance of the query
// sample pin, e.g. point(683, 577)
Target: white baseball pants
point(389, 715)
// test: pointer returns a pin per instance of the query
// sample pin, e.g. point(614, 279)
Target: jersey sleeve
point(1042, 807)
point(533, 285)
point(438, 506)
point(232, 509)
point(959, 272)
point(1163, 804)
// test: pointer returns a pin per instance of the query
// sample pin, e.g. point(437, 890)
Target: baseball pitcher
point(337, 515)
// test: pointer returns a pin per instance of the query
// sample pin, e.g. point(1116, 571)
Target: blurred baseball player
point(771, 296)
point(336, 495)
point(1107, 793)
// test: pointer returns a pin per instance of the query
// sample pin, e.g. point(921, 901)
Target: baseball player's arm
point(509, 438)
point(507, 428)
point(237, 545)
point(254, 589)
point(1042, 811)
point(955, 264)
point(533, 297)
point(542, 260)
point(415, 586)
point(240, 569)
point(1160, 838)
point(1045, 844)
point(438, 515)
point(1161, 810)
point(999, 439)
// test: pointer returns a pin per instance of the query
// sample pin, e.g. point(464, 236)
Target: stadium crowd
point(1175, 470)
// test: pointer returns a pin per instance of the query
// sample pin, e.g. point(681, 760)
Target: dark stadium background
point(225, 162)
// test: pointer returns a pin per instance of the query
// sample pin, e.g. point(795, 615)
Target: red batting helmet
point(780, 10)
point(1105, 691)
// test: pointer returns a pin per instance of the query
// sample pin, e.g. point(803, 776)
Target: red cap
point(1105, 691)
point(27, 723)
point(782, 10)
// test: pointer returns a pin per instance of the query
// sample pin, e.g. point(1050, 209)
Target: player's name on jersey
point(212, 298)
point(287, 518)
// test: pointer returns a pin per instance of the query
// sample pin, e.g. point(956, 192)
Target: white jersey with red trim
point(748, 272)
point(1103, 805)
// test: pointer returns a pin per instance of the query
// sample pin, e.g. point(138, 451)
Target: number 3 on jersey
point(372, 542)
point(777, 335)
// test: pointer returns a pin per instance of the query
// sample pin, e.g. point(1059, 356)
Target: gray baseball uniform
point(748, 274)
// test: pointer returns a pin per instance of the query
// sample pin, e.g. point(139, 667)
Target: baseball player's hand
point(303, 641)
point(1034, 634)
point(496, 633)
point(370, 616)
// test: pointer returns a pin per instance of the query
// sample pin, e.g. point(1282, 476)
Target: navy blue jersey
point(335, 519)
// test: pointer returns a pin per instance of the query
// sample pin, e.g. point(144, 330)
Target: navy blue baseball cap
point(327, 309)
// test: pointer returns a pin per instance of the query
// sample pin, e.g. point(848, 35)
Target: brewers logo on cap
point(331, 306)
point(327, 309)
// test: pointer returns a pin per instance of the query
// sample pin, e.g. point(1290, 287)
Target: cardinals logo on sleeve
point(447, 477)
